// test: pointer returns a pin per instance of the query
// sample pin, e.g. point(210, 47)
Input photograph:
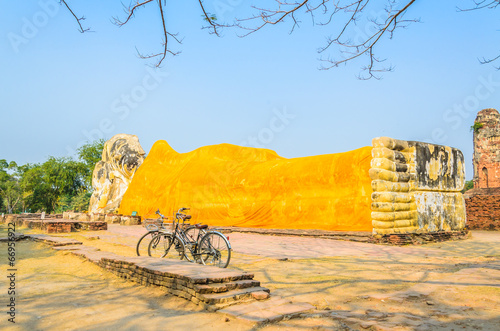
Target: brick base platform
point(420, 238)
point(358, 236)
point(367, 237)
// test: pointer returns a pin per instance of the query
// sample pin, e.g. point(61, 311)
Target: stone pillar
point(486, 158)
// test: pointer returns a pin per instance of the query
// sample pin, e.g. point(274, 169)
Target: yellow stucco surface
point(229, 185)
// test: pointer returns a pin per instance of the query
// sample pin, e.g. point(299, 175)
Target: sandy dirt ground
point(443, 286)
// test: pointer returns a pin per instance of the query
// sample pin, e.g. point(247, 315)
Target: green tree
point(10, 191)
point(30, 182)
point(58, 184)
point(44, 184)
point(89, 154)
point(469, 184)
point(81, 201)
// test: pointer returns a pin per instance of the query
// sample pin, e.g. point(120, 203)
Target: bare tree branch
point(346, 14)
point(130, 11)
point(491, 60)
point(78, 19)
point(273, 17)
point(210, 19)
point(366, 47)
point(490, 4)
point(482, 4)
point(349, 13)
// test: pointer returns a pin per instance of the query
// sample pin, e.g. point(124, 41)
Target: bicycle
point(143, 242)
point(153, 229)
point(209, 247)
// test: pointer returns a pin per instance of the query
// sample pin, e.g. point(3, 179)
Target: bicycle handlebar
point(158, 212)
point(179, 212)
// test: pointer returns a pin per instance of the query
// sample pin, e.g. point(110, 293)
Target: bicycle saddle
point(201, 226)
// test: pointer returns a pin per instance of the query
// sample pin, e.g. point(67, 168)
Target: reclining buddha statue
point(394, 186)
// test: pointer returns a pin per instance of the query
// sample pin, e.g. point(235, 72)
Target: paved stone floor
point(441, 286)
point(295, 247)
point(447, 285)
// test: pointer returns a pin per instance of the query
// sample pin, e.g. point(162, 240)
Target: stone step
point(90, 253)
point(184, 270)
point(17, 236)
point(224, 287)
point(74, 248)
point(219, 306)
point(230, 296)
point(272, 310)
point(54, 241)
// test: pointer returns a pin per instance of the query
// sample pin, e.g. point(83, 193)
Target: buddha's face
point(126, 156)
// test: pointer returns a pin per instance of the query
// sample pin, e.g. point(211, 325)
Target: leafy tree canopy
point(89, 154)
point(55, 185)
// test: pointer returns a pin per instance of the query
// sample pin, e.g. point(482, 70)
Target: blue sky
point(60, 88)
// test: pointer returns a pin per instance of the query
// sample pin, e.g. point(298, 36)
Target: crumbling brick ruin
point(487, 149)
point(483, 201)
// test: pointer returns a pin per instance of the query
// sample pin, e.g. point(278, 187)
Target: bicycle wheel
point(192, 233)
point(214, 249)
point(142, 245)
point(165, 245)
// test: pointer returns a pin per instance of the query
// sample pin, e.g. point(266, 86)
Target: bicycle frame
point(197, 253)
point(180, 234)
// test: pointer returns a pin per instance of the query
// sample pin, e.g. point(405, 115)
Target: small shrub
point(476, 127)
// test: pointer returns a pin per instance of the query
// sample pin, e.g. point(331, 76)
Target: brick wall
point(420, 238)
point(97, 226)
point(483, 212)
point(57, 227)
